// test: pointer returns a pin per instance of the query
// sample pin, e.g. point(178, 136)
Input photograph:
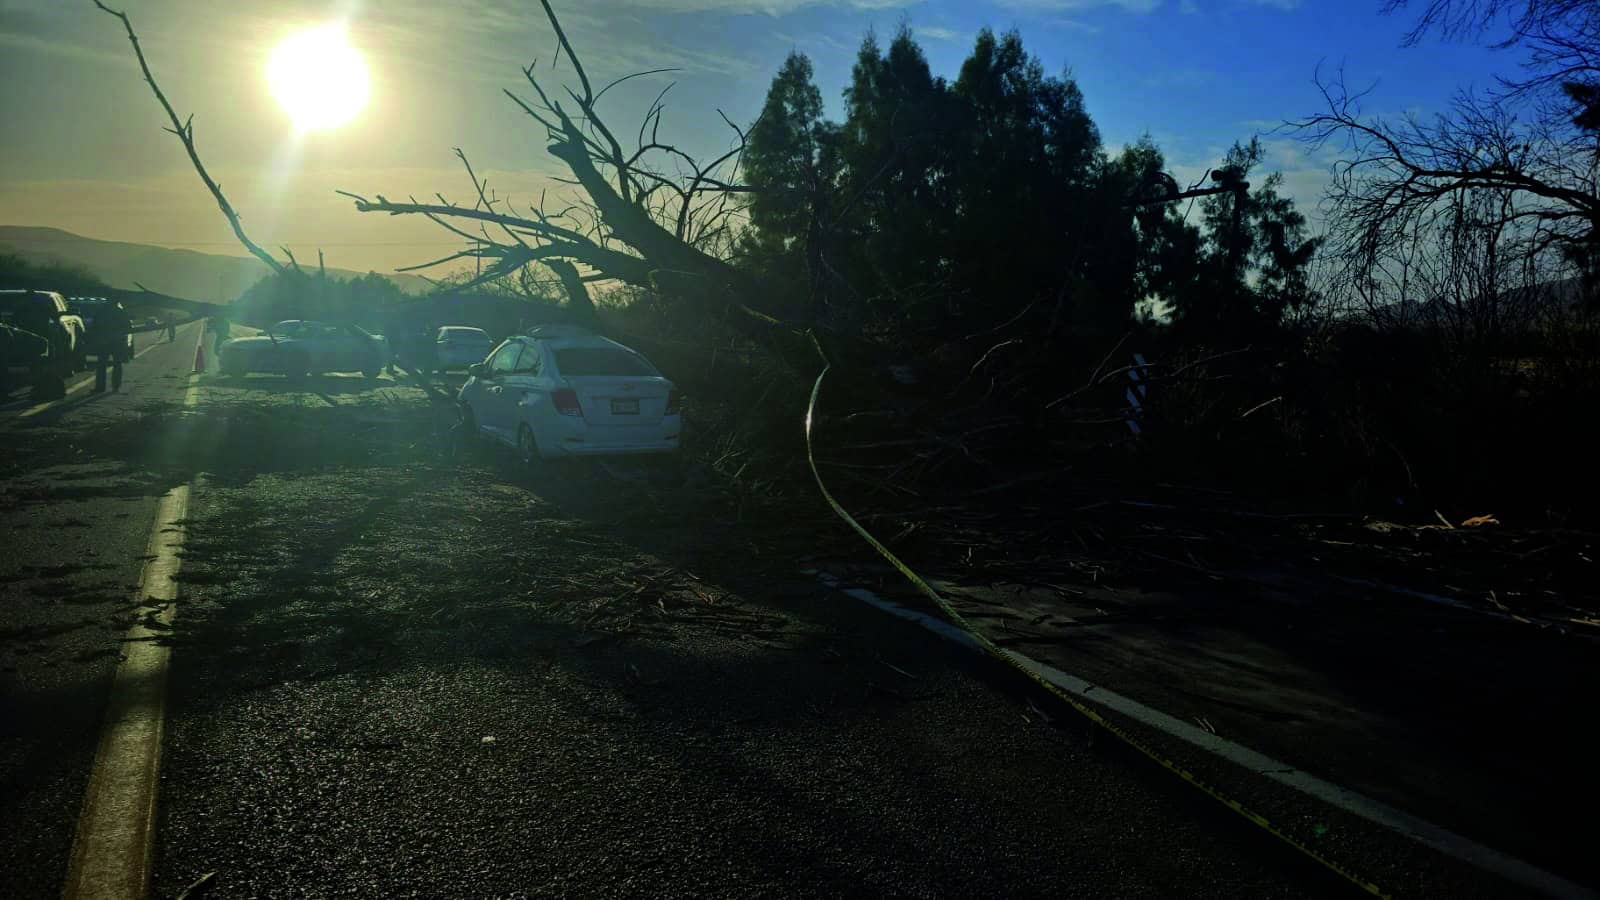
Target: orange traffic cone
point(199, 359)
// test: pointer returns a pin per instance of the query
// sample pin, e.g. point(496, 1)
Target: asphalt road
point(397, 672)
point(76, 514)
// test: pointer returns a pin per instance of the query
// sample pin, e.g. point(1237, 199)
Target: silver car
point(459, 346)
point(300, 347)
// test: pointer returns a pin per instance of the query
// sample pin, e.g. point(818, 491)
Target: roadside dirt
point(1438, 669)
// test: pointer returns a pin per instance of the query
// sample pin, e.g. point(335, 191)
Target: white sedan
point(459, 346)
point(566, 392)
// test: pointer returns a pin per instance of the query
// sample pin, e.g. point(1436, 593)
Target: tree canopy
point(940, 206)
point(1513, 168)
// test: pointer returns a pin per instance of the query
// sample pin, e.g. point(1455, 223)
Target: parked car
point(459, 346)
point(44, 314)
point(566, 392)
point(414, 348)
point(25, 358)
point(105, 311)
point(300, 347)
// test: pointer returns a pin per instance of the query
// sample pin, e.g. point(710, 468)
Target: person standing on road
point(220, 329)
point(172, 331)
point(113, 326)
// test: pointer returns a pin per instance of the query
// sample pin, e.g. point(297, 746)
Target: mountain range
point(181, 273)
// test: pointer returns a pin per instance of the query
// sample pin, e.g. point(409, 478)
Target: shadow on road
point(378, 616)
point(338, 546)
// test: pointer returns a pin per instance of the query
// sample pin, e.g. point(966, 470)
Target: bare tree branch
point(185, 133)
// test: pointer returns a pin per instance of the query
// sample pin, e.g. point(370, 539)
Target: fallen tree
point(634, 223)
point(183, 129)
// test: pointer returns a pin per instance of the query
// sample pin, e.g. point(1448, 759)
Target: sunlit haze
point(318, 78)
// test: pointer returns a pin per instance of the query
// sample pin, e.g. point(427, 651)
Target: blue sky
point(1195, 74)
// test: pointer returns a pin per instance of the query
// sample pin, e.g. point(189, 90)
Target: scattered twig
point(1258, 407)
point(197, 887)
point(898, 669)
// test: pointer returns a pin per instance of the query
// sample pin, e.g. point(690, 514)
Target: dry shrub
point(1390, 421)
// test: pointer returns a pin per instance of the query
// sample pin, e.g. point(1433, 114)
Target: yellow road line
point(116, 826)
point(111, 853)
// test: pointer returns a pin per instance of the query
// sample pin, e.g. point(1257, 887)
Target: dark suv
point(106, 327)
point(42, 315)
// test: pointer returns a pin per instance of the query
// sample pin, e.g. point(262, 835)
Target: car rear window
point(33, 304)
point(601, 361)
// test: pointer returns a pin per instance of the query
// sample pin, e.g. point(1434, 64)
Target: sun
point(318, 78)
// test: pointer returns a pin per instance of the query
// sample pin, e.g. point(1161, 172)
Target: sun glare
point(318, 78)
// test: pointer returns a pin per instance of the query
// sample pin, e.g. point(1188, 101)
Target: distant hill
point(1514, 307)
point(181, 273)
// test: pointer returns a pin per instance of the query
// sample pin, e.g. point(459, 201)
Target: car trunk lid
point(621, 399)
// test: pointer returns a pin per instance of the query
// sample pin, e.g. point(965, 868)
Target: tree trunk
point(633, 225)
point(579, 304)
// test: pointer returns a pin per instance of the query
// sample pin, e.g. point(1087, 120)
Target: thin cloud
point(1306, 171)
point(767, 7)
point(1046, 6)
point(1077, 25)
point(817, 39)
point(66, 48)
point(184, 215)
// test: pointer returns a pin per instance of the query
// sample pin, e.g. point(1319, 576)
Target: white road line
point(116, 827)
point(84, 383)
point(1377, 812)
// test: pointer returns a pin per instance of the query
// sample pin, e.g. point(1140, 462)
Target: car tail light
point(673, 401)
point(566, 402)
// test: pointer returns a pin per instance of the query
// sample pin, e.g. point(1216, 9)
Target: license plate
point(628, 407)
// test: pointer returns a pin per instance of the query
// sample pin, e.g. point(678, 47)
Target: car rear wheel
point(371, 373)
point(464, 437)
point(528, 447)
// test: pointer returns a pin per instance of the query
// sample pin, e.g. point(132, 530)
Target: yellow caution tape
point(1087, 711)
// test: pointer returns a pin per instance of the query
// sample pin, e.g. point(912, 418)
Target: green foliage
point(939, 208)
point(790, 146)
point(316, 295)
point(1252, 266)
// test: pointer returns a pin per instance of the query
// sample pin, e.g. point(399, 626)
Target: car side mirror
point(477, 370)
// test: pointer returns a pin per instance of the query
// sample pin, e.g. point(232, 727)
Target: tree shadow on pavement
point(819, 748)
